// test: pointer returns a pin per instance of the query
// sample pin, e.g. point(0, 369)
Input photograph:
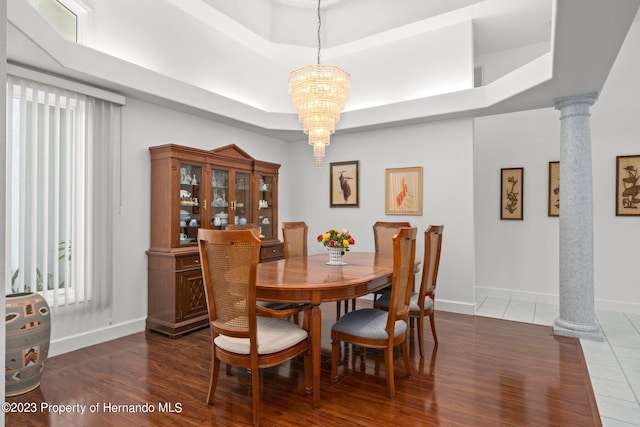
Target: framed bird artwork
point(403, 191)
point(344, 184)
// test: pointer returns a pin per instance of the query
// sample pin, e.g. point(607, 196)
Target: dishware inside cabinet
point(266, 217)
point(190, 196)
point(219, 198)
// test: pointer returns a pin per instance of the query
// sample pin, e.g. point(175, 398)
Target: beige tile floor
point(614, 365)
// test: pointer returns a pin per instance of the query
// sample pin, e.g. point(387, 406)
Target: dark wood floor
point(485, 372)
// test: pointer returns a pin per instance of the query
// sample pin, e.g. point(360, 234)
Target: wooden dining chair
point(243, 333)
point(423, 302)
point(255, 228)
point(294, 235)
point(383, 233)
point(373, 328)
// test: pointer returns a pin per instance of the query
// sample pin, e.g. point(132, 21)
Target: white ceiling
point(229, 60)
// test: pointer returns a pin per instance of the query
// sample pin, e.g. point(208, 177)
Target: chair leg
point(405, 355)
point(432, 318)
point(214, 379)
point(353, 304)
point(255, 393)
point(421, 335)
point(335, 353)
point(388, 365)
point(338, 309)
point(308, 374)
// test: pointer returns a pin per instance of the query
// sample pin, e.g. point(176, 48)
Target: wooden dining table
point(310, 280)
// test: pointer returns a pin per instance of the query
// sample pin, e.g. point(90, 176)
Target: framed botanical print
point(511, 193)
point(627, 186)
point(344, 184)
point(554, 189)
point(403, 191)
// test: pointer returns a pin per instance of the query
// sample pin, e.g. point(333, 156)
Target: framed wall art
point(344, 184)
point(403, 191)
point(511, 193)
point(554, 189)
point(627, 186)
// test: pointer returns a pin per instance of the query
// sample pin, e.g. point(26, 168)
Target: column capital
point(585, 100)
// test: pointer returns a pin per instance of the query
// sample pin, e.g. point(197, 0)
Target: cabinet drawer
point(191, 261)
point(271, 252)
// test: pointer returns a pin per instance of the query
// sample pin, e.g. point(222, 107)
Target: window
point(61, 162)
point(59, 16)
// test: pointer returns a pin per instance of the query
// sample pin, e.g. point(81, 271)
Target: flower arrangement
point(335, 238)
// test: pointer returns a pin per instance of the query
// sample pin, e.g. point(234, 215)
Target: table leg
point(316, 350)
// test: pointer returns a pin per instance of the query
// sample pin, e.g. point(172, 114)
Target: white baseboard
point(96, 336)
point(543, 298)
point(536, 297)
point(455, 306)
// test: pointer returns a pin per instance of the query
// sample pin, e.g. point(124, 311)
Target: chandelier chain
point(319, 24)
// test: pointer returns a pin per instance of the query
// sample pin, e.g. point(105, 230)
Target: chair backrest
point(432, 248)
point(294, 235)
point(229, 260)
point(248, 226)
point(383, 233)
point(404, 254)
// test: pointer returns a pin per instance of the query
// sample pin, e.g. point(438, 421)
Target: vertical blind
point(62, 157)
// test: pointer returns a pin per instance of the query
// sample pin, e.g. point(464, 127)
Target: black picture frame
point(344, 184)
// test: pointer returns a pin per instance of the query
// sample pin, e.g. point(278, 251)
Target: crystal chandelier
point(319, 93)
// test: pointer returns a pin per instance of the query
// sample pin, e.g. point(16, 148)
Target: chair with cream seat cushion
point(373, 328)
point(255, 228)
point(243, 333)
point(423, 302)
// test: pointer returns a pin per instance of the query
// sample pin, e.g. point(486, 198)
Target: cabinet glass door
point(190, 195)
point(266, 217)
point(242, 198)
point(219, 198)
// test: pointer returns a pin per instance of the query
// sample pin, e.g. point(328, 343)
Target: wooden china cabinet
point(193, 188)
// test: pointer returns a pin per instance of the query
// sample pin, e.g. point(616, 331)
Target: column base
point(567, 328)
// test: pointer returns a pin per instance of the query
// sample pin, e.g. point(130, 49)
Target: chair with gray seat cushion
point(373, 328)
point(243, 333)
point(423, 302)
point(383, 232)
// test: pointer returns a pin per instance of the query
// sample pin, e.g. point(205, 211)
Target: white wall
point(519, 259)
point(444, 150)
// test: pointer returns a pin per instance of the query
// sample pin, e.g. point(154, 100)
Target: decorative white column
point(577, 313)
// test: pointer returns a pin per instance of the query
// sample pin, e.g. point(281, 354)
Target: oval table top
point(311, 280)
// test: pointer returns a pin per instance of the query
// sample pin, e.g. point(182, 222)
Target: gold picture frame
point(554, 189)
point(403, 191)
point(344, 184)
point(511, 193)
point(627, 185)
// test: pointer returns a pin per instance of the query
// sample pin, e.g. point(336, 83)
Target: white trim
point(536, 297)
point(544, 298)
point(37, 76)
point(455, 307)
point(96, 336)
